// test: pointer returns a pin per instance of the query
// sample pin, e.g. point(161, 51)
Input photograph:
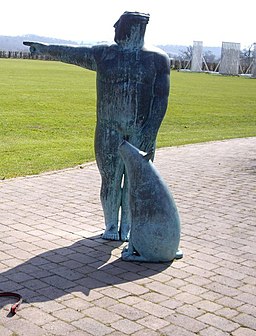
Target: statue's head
point(130, 29)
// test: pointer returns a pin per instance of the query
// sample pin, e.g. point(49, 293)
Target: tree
point(186, 55)
point(246, 56)
point(209, 57)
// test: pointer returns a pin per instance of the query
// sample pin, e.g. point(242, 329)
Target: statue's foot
point(124, 230)
point(110, 235)
point(179, 254)
point(124, 236)
point(125, 249)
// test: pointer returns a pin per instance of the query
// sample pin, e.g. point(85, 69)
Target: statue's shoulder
point(159, 55)
point(154, 50)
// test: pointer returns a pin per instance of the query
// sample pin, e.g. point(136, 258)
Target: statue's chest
point(127, 67)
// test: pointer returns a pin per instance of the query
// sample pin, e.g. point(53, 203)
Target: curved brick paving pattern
point(75, 284)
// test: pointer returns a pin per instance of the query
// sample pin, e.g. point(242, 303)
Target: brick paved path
point(75, 284)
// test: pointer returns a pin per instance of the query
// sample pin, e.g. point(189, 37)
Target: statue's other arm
point(82, 56)
point(161, 87)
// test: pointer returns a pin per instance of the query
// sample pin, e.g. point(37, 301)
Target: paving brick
point(171, 303)
point(153, 297)
point(79, 333)
point(248, 309)
point(198, 280)
point(229, 302)
point(211, 331)
point(176, 283)
point(39, 317)
point(225, 280)
point(67, 314)
point(153, 322)
point(161, 277)
point(208, 305)
point(199, 271)
point(250, 280)
point(227, 313)
point(162, 288)
point(242, 331)
point(143, 332)
point(92, 326)
point(153, 309)
point(114, 292)
point(126, 326)
point(172, 330)
point(131, 300)
point(21, 327)
point(218, 322)
point(5, 332)
point(77, 304)
point(103, 315)
point(178, 273)
point(132, 313)
point(48, 306)
point(190, 310)
point(193, 289)
point(133, 288)
point(246, 320)
point(116, 333)
point(58, 328)
point(105, 302)
point(248, 289)
point(223, 289)
point(186, 322)
point(203, 264)
point(246, 298)
point(230, 273)
point(187, 298)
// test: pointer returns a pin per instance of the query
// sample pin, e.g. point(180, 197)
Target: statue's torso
point(125, 86)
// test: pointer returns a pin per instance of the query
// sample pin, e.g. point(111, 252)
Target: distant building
point(197, 56)
point(254, 62)
point(230, 58)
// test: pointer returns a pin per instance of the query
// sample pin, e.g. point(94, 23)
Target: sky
point(171, 22)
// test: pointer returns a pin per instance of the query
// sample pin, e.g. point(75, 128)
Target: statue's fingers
point(27, 43)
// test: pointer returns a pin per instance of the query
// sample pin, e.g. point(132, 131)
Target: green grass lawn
point(47, 113)
point(205, 107)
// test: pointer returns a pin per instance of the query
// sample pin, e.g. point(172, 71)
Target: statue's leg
point(125, 224)
point(110, 200)
point(111, 169)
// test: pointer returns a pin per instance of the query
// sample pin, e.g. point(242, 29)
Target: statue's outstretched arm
point(82, 56)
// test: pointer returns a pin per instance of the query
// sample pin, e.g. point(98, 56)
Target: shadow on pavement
point(86, 265)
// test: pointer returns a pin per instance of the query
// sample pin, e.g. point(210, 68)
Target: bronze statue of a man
point(132, 96)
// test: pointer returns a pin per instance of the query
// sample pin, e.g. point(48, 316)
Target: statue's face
point(122, 29)
point(129, 31)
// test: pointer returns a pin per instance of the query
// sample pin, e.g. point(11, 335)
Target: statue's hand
point(147, 144)
point(36, 48)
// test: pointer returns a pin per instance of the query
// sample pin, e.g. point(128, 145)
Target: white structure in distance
point(197, 56)
point(254, 62)
point(230, 58)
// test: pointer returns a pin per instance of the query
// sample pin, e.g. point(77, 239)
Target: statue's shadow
point(88, 264)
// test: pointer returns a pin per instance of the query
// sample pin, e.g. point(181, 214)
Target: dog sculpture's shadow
point(88, 264)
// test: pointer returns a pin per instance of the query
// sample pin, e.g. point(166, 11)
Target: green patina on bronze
point(132, 98)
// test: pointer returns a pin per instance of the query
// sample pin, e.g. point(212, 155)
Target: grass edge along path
point(48, 114)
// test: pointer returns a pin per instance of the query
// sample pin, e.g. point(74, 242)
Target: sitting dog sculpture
point(155, 228)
